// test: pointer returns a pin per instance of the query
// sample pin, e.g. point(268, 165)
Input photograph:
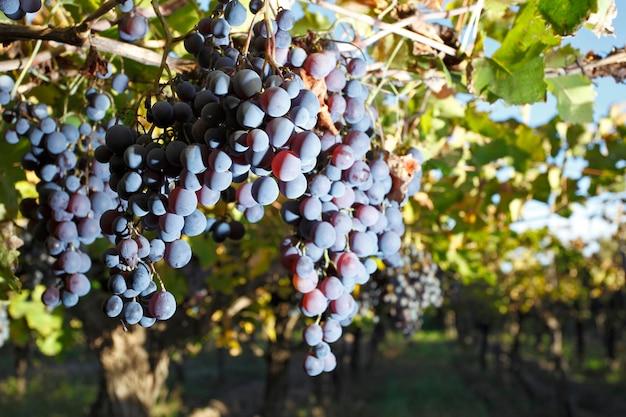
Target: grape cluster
point(72, 191)
point(296, 114)
point(410, 288)
point(17, 9)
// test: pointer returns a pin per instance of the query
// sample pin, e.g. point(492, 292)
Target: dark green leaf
point(566, 16)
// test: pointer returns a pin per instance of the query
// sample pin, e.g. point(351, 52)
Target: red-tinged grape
point(78, 284)
point(88, 229)
point(79, 205)
point(131, 28)
point(336, 106)
point(342, 306)
point(368, 215)
point(66, 231)
point(358, 173)
point(360, 144)
point(314, 303)
point(244, 195)
point(347, 264)
point(357, 67)
point(319, 65)
point(51, 297)
point(346, 200)
point(332, 287)
point(182, 201)
point(286, 165)
point(335, 80)
point(305, 283)
point(343, 157)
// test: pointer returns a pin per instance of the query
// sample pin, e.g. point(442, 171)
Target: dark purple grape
point(235, 13)
point(162, 305)
point(132, 313)
point(177, 253)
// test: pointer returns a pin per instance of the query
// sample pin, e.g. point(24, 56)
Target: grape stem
point(101, 11)
point(168, 41)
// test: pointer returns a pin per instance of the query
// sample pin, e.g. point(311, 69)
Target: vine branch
point(368, 20)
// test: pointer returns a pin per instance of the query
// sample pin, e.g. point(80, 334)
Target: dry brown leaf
point(318, 87)
point(94, 64)
point(402, 169)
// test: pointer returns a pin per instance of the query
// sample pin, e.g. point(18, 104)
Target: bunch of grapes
point(271, 120)
point(17, 9)
point(72, 191)
point(410, 288)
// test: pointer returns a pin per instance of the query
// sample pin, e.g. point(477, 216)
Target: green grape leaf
point(566, 16)
point(527, 39)
point(184, 19)
point(575, 97)
point(516, 83)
